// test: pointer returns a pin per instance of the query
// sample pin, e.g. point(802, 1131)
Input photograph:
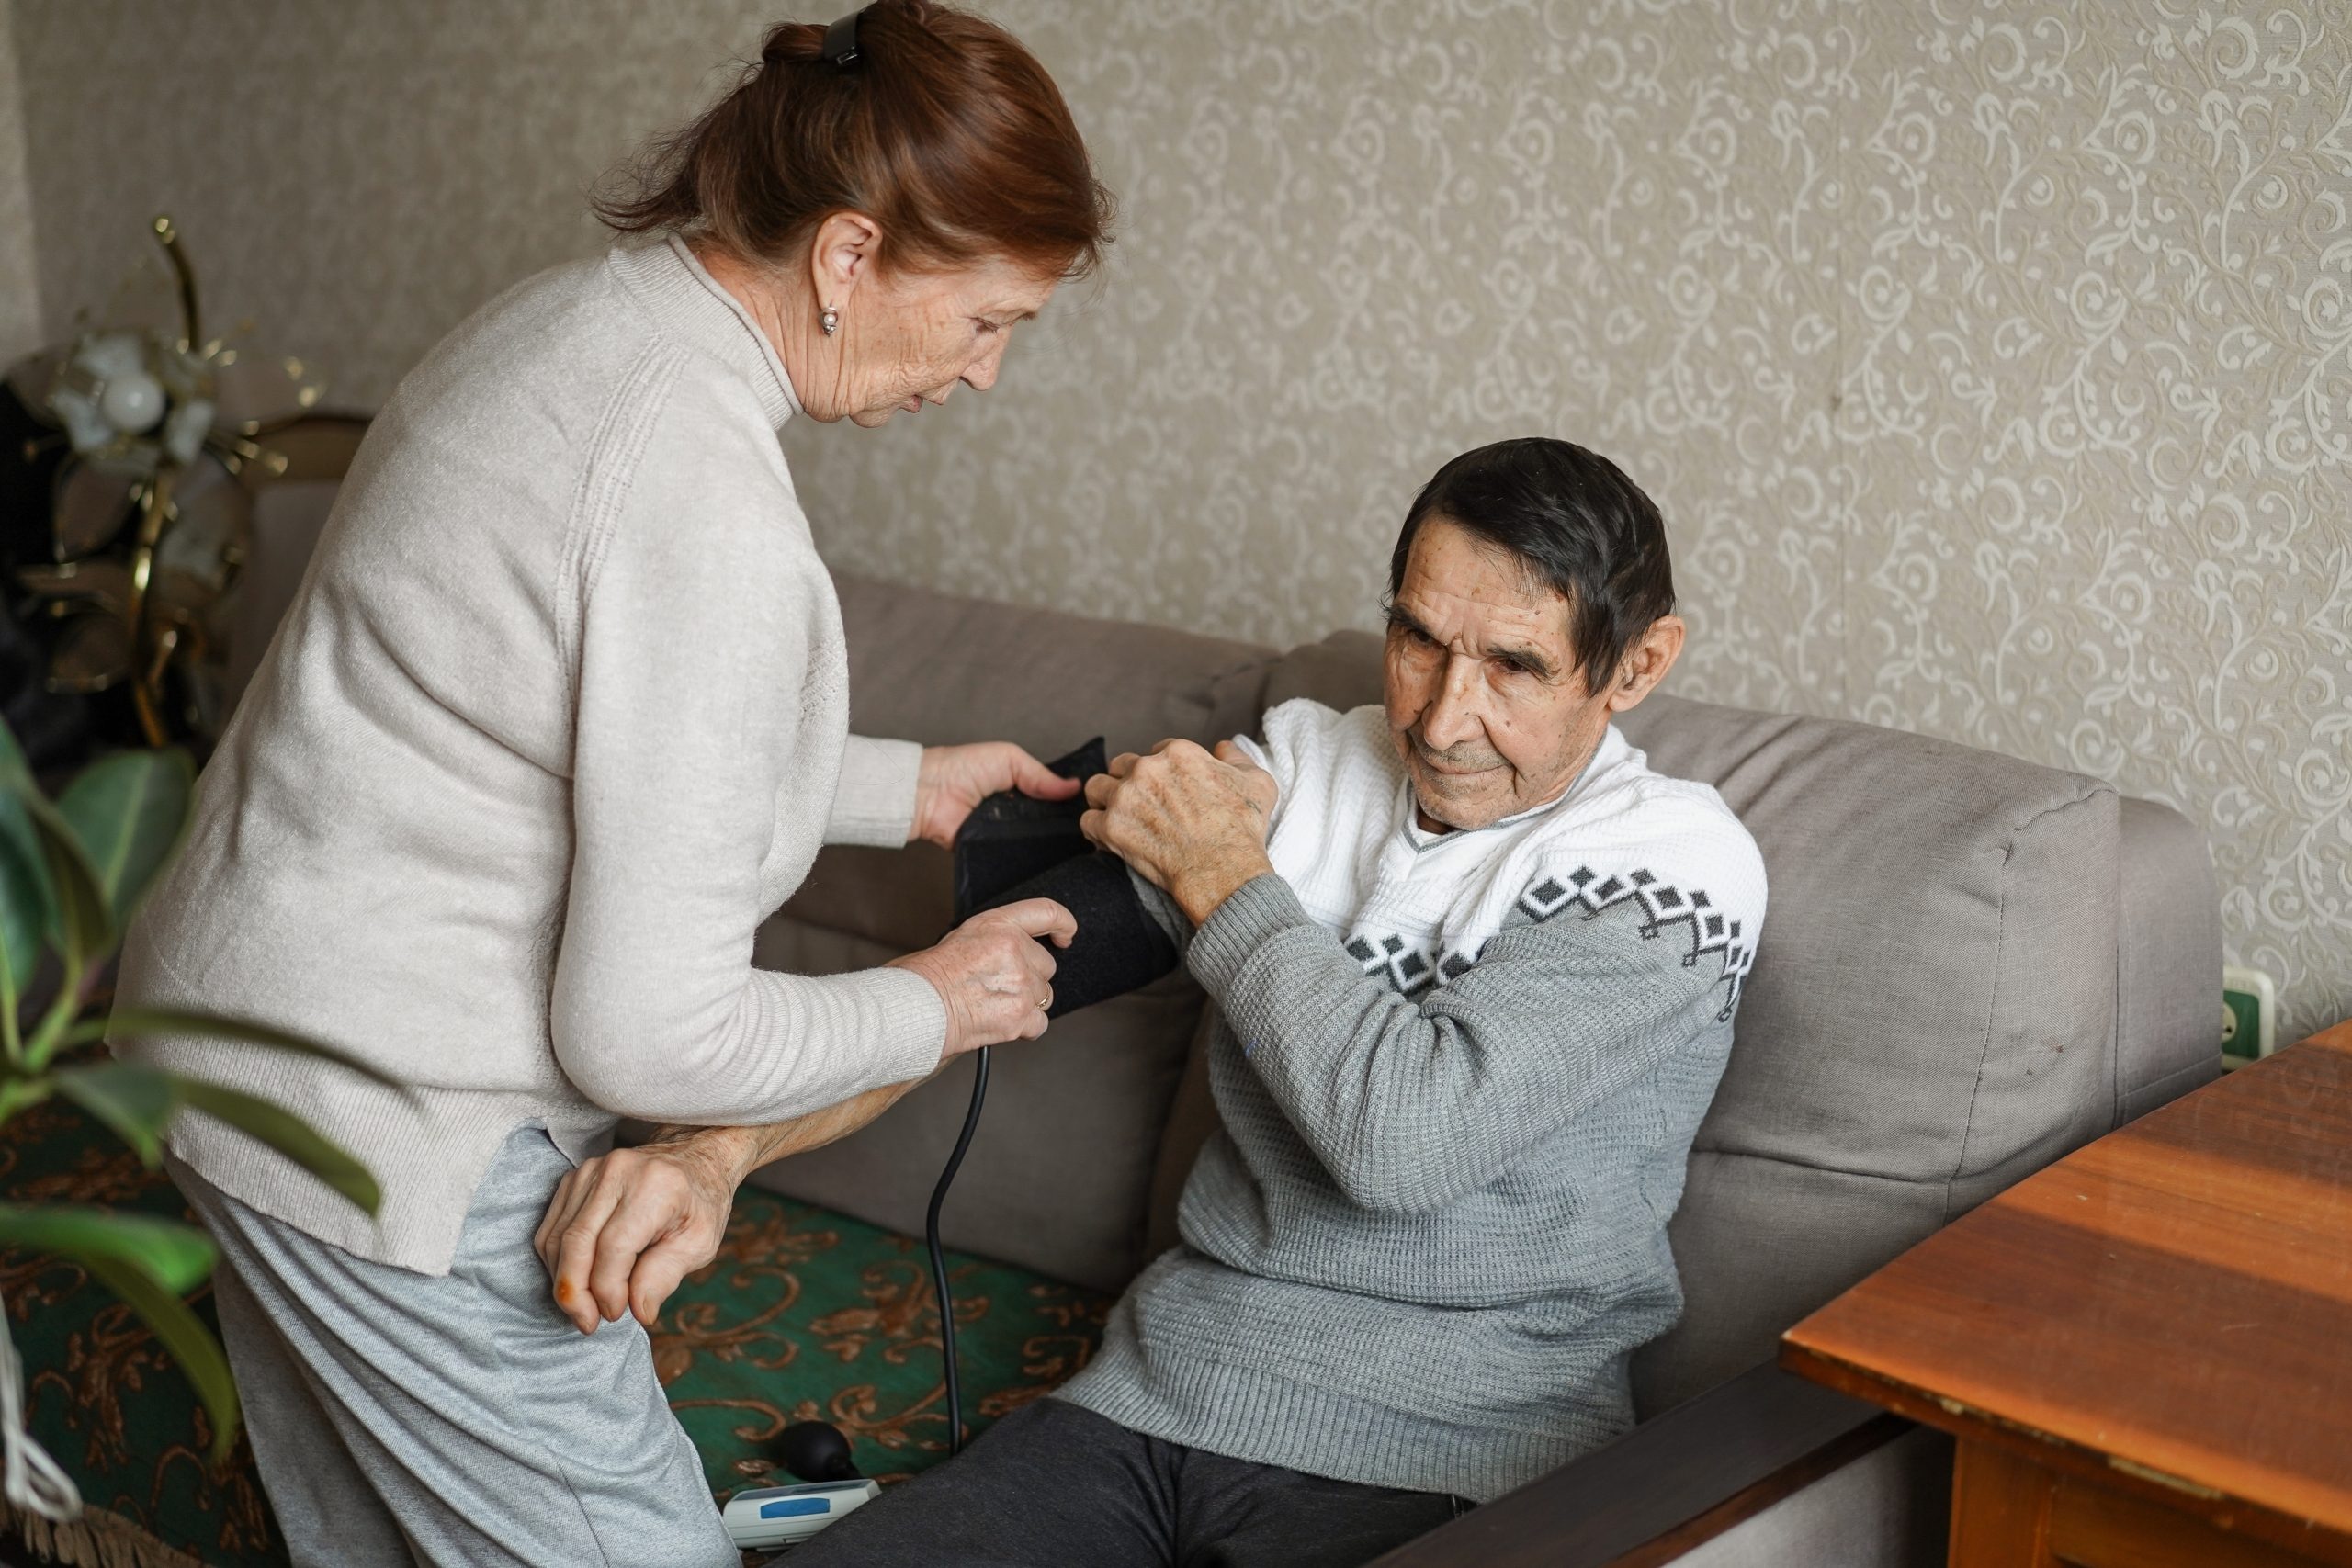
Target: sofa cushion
point(1341, 672)
point(1933, 1006)
point(1933, 1013)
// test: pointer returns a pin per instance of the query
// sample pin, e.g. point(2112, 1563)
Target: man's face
point(1487, 706)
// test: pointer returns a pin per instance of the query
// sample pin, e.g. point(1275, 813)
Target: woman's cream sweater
point(559, 717)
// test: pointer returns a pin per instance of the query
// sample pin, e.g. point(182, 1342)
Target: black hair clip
point(841, 50)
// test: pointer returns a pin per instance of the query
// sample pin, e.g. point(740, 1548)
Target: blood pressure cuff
point(1010, 838)
point(1012, 847)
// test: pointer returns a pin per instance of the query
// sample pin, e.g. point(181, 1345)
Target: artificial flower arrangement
point(163, 435)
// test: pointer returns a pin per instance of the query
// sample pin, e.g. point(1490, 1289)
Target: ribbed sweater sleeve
point(1412, 1103)
point(875, 803)
point(692, 664)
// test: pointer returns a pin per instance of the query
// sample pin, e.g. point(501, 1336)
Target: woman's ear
point(841, 256)
point(1646, 663)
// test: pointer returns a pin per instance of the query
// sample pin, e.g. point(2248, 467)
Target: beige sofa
point(1972, 965)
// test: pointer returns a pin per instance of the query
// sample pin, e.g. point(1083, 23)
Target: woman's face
point(906, 340)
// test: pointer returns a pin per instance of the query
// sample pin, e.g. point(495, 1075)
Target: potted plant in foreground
point(71, 872)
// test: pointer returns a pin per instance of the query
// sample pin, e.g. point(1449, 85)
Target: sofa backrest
point(1945, 997)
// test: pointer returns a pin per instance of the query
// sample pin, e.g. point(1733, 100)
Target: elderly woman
point(560, 717)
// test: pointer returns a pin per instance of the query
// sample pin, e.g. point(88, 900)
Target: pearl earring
point(829, 320)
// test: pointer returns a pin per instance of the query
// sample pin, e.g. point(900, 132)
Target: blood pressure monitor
point(763, 1518)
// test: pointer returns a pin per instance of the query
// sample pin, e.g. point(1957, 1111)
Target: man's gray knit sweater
point(1458, 1077)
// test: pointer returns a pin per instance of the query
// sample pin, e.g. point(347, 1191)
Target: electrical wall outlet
point(2249, 1016)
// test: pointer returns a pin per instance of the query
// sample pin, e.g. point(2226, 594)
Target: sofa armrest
point(1674, 1482)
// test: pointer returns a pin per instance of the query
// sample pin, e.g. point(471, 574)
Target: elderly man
point(1475, 966)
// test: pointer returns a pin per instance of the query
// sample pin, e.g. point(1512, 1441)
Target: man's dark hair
point(1574, 520)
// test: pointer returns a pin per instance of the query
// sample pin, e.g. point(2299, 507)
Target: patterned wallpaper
point(20, 313)
point(1992, 361)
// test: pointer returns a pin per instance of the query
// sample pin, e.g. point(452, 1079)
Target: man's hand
point(623, 1228)
point(1193, 822)
point(954, 779)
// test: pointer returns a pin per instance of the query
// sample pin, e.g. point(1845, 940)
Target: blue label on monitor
point(795, 1507)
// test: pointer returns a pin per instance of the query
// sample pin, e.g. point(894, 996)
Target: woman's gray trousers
point(402, 1418)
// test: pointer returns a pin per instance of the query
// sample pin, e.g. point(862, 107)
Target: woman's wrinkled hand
point(954, 779)
point(1193, 821)
point(623, 1228)
point(994, 972)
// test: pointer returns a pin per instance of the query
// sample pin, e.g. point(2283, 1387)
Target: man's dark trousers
point(1054, 1486)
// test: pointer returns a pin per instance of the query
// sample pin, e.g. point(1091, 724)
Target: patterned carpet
point(805, 1314)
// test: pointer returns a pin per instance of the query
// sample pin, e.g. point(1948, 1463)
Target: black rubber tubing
point(939, 1258)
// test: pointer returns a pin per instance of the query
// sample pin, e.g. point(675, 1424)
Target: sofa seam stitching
point(1825, 1169)
point(1992, 1010)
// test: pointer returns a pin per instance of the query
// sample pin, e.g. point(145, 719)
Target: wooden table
point(2144, 1350)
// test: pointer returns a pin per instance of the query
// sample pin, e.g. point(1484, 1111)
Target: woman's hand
point(994, 972)
point(623, 1228)
point(1192, 821)
point(954, 779)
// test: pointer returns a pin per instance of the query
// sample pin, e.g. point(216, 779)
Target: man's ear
point(841, 256)
point(1646, 663)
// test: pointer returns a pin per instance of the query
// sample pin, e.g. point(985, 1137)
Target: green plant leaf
point(129, 810)
point(84, 927)
point(139, 1102)
point(134, 1100)
point(285, 1133)
point(22, 1093)
point(175, 1257)
point(184, 1335)
point(134, 1022)
point(14, 769)
point(27, 906)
